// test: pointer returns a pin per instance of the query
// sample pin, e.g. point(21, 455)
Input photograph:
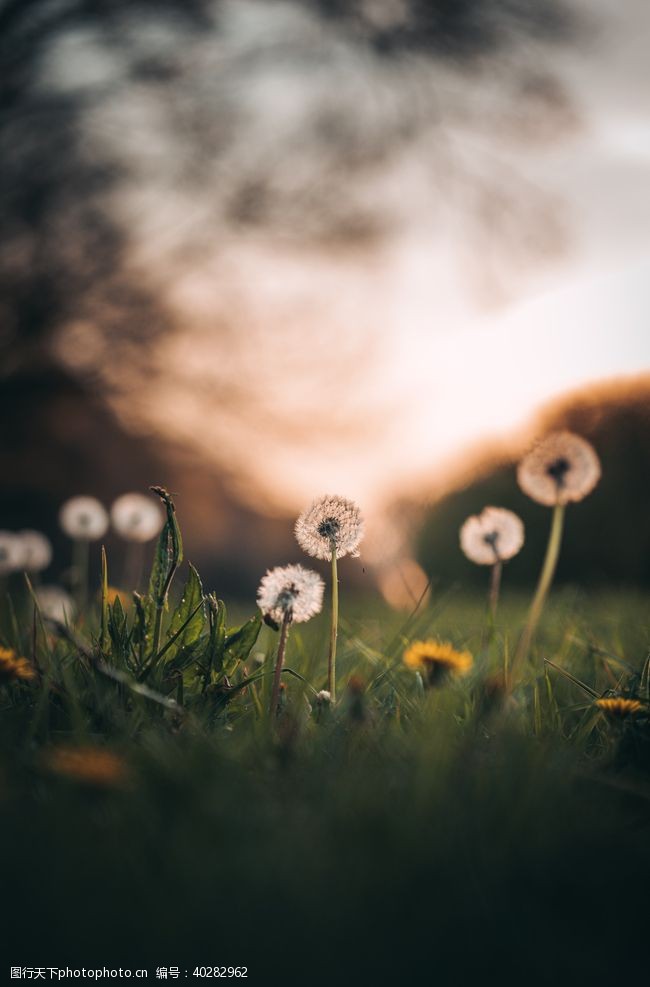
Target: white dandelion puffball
point(84, 518)
point(136, 517)
point(55, 603)
point(35, 550)
point(291, 591)
point(494, 535)
point(10, 553)
point(332, 525)
point(560, 469)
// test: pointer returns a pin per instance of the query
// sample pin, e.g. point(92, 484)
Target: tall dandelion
point(287, 594)
point(491, 538)
point(561, 469)
point(330, 529)
point(83, 519)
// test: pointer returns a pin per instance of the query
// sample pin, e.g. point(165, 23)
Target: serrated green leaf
point(217, 639)
point(189, 618)
point(169, 552)
point(239, 642)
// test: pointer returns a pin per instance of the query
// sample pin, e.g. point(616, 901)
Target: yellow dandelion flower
point(436, 660)
point(618, 708)
point(113, 594)
point(88, 765)
point(13, 668)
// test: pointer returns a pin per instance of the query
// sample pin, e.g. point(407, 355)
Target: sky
point(381, 318)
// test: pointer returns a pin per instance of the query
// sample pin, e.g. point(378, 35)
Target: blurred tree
point(111, 111)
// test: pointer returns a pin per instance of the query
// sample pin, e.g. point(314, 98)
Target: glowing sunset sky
point(303, 365)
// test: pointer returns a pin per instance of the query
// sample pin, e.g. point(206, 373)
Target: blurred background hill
point(607, 539)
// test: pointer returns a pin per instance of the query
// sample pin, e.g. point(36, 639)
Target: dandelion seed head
point(561, 469)
point(494, 535)
point(35, 550)
point(437, 660)
point(291, 591)
point(323, 697)
point(10, 553)
point(332, 525)
point(15, 669)
point(83, 518)
point(136, 517)
point(55, 603)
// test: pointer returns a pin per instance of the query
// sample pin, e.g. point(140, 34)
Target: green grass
point(455, 835)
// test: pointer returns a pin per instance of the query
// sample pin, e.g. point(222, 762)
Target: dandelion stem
point(279, 662)
point(334, 628)
point(544, 584)
point(495, 586)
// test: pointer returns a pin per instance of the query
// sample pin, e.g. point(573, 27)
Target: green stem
point(334, 629)
point(544, 584)
point(279, 662)
point(495, 586)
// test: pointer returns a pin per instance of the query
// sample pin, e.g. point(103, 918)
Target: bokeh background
point(260, 250)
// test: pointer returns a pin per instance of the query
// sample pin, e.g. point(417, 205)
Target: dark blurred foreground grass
point(403, 837)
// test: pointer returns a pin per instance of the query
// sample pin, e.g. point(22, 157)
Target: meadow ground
point(454, 835)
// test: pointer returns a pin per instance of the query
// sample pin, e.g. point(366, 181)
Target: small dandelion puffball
point(332, 525)
point(494, 535)
point(10, 553)
point(83, 518)
point(55, 603)
point(291, 591)
point(35, 551)
point(136, 517)
point(560, 469)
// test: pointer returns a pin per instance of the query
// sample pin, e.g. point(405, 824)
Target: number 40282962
point(221, 971)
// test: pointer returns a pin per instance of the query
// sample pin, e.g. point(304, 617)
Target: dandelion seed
point(561, 469)
point(291, 591)
point(55, 603)
point(330, 529)
point(494, 535)
point(437, 661)
point(618, 708)
point(10, 553)
point(136, 517)
point(15, 669)
point(89, 765)
point(286, 594)
point(35, 549)
point(83, 518)
point(331, 526)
